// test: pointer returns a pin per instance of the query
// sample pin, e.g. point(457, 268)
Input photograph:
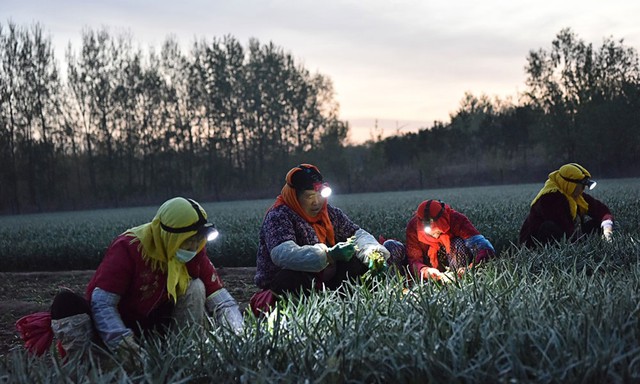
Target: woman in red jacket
point(151, 276)
point(439, 237)
point(562, 209)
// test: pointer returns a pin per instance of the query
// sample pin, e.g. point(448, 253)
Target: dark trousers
point(288, 281)
point(68, 303)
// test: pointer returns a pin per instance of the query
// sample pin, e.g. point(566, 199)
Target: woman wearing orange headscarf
point(563, 210)
point(303, 238)
point(439, 237)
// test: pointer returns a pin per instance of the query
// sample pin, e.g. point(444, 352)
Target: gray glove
point(366, 245)
point(224, 309)
point(129, 354)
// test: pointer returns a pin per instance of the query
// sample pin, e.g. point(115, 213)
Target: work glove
point(129, 353)
point(366, 245)
point(607, 230)
point(342, 251)
point(225, 310)
point(427, 273)
point(377, 262)
point(482, 255)
point(481, 248)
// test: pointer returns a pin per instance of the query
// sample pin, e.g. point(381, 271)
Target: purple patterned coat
point(282, 224)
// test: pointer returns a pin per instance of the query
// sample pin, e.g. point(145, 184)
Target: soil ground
point(28, 292)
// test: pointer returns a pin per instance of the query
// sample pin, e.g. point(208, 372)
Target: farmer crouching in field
point(305, 243)
point(562, 209)
point(151, 275)
point(438, 238)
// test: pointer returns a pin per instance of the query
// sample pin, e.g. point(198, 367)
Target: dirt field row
point(25, 293)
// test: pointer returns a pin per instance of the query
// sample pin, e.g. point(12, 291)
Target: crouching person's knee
point(190, 306)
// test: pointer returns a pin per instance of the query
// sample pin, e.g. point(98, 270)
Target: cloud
point(399, 60)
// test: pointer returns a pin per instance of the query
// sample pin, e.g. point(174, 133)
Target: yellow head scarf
point(159, 246)
point(557, 182)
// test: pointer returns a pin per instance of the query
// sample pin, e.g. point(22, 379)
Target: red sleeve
point(461, 226)
point(597, 209)
point(415, 249)
point(115, 272)
point(202, 268)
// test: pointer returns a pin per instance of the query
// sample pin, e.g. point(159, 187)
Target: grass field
point(77, 240)
point(564, 313)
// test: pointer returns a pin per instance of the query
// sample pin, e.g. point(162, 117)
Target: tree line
point(581, 104)
point(121, 126)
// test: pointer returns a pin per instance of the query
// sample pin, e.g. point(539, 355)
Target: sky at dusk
point(401, 63)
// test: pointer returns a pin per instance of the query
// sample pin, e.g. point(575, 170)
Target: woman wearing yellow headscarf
point(151, 275)
point(562, 209)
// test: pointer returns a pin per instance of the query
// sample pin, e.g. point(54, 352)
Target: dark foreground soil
point(28, 292)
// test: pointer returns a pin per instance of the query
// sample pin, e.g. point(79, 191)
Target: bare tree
point(28, 104)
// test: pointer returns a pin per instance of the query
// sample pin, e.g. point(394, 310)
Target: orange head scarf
point(288, 196)
point(439, 213)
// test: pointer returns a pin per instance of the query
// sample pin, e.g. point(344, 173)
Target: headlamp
point(587, 182)
point(428, 220)
point(202, 226)
point(210, 232)
point(323, 188)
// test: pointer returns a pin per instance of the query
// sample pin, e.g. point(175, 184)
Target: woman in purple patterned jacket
point(304, 240)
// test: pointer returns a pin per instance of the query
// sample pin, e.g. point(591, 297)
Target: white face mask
point(184, 256)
